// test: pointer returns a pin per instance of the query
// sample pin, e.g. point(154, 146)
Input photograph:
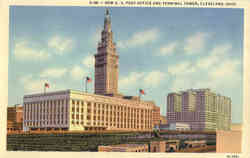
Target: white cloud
point(130, 80)
point(154, 78)
point(53, 72)
point(216, 71)
point(181, 83)
point(23, 51)
point(206, 62)
point(182, 75)
point(226, 69)
point(182, 68)
point(77, 72)
point(195, 43)
point(32, 85)
point(221, 50)
point(216, 55)
point(96, 37)
point(140, 38)
point(168, 49)
point(60, 44)
point(89, 61)
point(226, 74)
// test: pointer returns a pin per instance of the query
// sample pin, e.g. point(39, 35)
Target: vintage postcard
point(112, 78)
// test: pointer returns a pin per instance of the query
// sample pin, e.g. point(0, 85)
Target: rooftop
point(70, 92)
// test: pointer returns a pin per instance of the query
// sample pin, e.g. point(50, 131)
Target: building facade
point(175, 126)
point(224, 140)
point(156, 115)
point(202, 109)
point(179, 126)
point(157, 146)
point(75, 110)
point(124, 148)
point(154, 146)
point(15, 118)
point(106, 62)
point(163, 119)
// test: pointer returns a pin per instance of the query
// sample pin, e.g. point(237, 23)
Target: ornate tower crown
point(107, 21)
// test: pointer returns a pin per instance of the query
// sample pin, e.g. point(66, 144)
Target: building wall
point(15, 118)
point(50, 110)
point(75, 110)
point(201, 109)
point(158, 146)
point(106, 62)
point(156, 115)
point(124, 148)
point(236, 126)
point(228, 141)
point(163, 120)
point(179, 126)
point(174, 102)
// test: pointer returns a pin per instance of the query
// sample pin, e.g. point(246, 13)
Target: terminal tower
point(106, 62)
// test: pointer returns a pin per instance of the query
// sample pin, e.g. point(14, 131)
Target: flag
point(46, 85)
point(142, 91)
point(88, 79)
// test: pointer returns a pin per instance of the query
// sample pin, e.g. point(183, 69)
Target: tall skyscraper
point(200, 108)
point(106, 62)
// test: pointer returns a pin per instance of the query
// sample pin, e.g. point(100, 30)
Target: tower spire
point(107, 11)
point(107, 21)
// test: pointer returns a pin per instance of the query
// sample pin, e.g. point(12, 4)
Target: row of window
point(45, 103)
point(41, 123)
point(76, 105)
point(44, 116)
point(77, 117)
point(117, 125)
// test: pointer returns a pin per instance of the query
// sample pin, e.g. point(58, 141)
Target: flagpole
point(86, 85)
point(139, 95)
point(83, 85)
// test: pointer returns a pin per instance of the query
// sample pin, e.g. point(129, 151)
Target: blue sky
point(161, 50)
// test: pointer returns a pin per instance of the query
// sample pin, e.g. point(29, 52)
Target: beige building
point(156, 116)
point(75, 110)
point(154, 146)
point(163, 119)
point(157, 146)
point(202, 109)
point(124, 148)
point(236, 127)
point(229, 141)
point(15, 118)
